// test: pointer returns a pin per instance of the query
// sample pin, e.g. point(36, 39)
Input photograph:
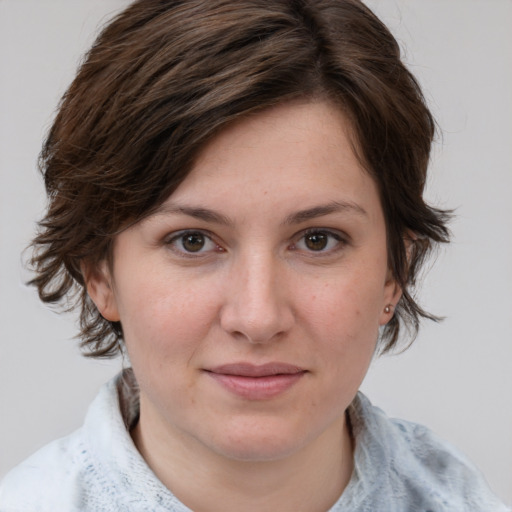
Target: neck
point(312, 478)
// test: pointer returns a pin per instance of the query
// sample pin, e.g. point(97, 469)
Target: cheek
point(343, 319)
point(350, 304)
point(164, 321)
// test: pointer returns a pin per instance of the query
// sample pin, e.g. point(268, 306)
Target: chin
point(261, 450)
point(258, 442)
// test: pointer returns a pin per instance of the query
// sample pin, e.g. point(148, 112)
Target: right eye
point(192, 242)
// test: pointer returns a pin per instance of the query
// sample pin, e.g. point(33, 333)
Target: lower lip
point(257, 388)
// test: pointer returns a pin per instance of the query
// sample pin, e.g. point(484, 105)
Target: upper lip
point(252, 370)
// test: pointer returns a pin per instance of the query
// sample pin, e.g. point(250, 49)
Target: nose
point(257, 307)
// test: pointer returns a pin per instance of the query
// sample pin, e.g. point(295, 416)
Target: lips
point(250, 370)
point(256, 382)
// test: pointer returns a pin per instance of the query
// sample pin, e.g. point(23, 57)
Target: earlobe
point(392, 295)
point(98, 282)
point(393, 292)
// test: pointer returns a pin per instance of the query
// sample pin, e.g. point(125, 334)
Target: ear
point(99, 284)
point(392, 294)
point(392, 291)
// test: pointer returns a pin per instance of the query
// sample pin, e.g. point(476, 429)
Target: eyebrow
point(327, 209)
point(298, 217)
point(197, 213)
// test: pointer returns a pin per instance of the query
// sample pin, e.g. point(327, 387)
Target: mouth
point(251, 370)
point(256, 382)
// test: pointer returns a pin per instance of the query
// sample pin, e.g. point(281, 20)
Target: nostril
point(263, 327)
point(257, 308)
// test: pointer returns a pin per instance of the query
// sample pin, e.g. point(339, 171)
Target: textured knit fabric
point(399, 466)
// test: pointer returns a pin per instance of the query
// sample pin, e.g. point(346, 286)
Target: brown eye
point(193, 242)
point(322, 242)
point(316, 241)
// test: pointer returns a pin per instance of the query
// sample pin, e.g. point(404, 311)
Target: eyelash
point(331, 235)
point(178, 237)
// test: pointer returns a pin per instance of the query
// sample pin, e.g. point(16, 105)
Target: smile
point(256, 382)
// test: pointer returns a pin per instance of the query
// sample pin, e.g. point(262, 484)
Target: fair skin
point(250, 304)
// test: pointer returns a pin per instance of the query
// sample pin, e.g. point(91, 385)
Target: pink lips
point(254, 382)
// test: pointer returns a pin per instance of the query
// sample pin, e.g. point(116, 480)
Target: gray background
point(457, 377)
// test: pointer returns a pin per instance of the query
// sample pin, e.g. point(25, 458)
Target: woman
point(236, 198)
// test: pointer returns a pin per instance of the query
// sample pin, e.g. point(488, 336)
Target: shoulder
point(97, 468)
point(417, 468)
point(67, 473)
point(47, 480)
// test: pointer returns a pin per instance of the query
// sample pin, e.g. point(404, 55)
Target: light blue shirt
point(399, 467)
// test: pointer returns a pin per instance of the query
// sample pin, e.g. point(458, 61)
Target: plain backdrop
point(456, 378)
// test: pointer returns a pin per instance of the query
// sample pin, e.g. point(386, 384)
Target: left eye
point(192, 242)
point(318, 241)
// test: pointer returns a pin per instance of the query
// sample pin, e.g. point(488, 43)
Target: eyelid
point(176, 235)
point(341, 238)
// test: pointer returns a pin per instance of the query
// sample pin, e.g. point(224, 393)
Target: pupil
point(316, 241)
point(193, 242)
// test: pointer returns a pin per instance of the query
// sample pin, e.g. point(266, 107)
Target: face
point(251, 300)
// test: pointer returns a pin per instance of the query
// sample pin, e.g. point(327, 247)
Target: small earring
point(388, 308)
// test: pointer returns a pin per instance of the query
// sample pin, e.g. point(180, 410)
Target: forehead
point(299, 153)
point(316, 129)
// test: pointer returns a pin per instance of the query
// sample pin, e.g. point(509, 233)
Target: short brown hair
point(166, 75)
